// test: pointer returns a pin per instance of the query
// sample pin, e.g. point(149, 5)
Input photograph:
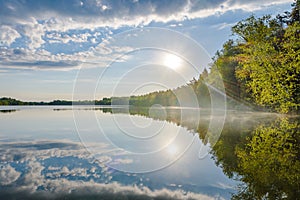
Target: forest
point(5, 101)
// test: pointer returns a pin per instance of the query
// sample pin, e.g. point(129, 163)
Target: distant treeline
point(4, 101)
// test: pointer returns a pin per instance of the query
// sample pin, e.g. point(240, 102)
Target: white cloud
point(45, 24)
point(56, 179)
point(41, 59)
point(232, 5)
point(8, 35)
point(65, 171)
point(33, 178)
point(53, 168)
point(34, 31)
point(121, 161)
point(223, 25)
point(8, 175)
point(94, 14)
point(57, 37)
point(251, 6)
point(91, 187)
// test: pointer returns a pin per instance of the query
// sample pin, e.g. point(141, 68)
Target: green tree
point(266, 66)
point(226, 63)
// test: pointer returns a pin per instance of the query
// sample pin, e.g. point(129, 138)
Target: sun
point(172, 61)
point(172, 150)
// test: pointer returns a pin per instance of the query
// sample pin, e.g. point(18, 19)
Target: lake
point(89, 152)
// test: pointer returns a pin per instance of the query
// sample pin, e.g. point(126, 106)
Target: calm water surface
point(87, 152)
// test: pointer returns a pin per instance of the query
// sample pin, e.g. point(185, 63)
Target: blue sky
point(64, 49)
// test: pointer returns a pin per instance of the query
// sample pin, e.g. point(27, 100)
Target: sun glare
point(172, 61)
point(172, 150)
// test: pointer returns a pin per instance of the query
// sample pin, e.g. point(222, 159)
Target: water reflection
point(43, 155)
point(269, 161)
point(260, 149)
point(8, 110)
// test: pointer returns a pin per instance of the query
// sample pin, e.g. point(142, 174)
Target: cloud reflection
point(53, 169)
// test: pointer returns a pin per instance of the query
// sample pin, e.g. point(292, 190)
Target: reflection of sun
point(172, 149)
point(172, 61)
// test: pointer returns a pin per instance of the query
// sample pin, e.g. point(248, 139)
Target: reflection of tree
point(254, 148)
point(269, 164)
point(187, 118)
point(236, 129)
point(8, 111)
point(224, 150)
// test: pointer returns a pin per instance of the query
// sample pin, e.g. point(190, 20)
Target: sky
point(77, 49)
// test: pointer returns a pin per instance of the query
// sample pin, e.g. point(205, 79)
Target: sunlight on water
point(172, 150)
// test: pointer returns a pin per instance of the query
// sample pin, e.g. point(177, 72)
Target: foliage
point(270, 162)
point(4, 101)
point(269, 62)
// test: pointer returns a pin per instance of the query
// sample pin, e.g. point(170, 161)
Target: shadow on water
point(8, 110)
point(262, 150)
